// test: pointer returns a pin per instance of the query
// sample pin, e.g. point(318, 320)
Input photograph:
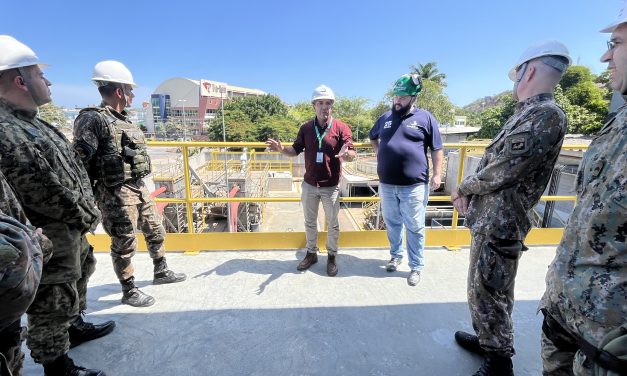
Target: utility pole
point(184, 125)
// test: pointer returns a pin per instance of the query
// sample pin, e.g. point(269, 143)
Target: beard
point(402, 110)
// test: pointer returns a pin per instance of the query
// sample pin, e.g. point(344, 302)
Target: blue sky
point(287, 48)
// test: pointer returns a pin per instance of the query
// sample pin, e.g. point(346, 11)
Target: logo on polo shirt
point(388, 124)
point(413, 125)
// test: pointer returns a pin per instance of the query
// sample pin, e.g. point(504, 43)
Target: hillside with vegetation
point(583, 96)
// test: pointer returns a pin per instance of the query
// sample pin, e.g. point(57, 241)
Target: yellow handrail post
point(460, 175)
point(188, 190)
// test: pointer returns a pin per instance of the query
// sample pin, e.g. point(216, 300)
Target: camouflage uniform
point(587, 281)
point(53, 188)
point(127, 206)
point(509, 181)
point(21, 261)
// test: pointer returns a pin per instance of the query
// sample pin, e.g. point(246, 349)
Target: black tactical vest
point(121, 154)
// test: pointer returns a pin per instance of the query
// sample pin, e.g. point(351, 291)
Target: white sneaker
point(413, 278)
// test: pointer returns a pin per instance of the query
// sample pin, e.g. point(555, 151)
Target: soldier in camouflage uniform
point(114, 151)
point(21, 262)
point(585, 303)
point(53, 189)
point(508, 183)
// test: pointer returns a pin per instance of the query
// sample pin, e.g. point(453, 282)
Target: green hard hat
point(408, 84)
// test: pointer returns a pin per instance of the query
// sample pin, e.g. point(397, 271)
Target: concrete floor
point(253, 313)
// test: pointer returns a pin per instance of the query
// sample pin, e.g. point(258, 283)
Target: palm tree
point(429, 72)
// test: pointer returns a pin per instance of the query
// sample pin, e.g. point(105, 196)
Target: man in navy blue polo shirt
point(401, 138)
point(326, 141)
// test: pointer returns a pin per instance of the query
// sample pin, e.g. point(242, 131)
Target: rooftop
point(253, 313)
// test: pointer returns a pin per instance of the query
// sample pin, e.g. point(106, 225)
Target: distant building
point(460, 121)
point(190, 102)
point(453, 135)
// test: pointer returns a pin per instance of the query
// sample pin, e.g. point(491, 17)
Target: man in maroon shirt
point(326, 142)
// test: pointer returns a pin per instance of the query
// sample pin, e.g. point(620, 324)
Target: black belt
point(607, 360)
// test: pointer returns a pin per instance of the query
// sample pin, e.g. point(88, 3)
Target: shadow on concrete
point(412, 339)
point(348, 266)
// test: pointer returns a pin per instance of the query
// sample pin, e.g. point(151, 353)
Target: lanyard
point(324, 134)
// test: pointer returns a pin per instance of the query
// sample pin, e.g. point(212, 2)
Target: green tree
point(604, 81)
point(588, 99)
point(237, 125)
point(429, 72)
point(433, 99)
point(580, 119)
point(301, 112)
point(492, 119)
point(277, 127)
point(257, 108)
point(380, 108)
point(354, 112)
point(574, 75)
point(54, 115)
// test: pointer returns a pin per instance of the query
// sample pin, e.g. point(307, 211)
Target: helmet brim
point(611, 27)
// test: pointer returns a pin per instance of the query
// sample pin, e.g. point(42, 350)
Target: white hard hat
point(112, 71)
point(15, 54)
point(322, 92)
point(546, 48)
point(622, 18)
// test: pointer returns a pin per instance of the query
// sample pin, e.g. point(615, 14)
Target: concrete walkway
point(253, 313)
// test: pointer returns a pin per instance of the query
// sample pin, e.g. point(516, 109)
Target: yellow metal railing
point(193, 242)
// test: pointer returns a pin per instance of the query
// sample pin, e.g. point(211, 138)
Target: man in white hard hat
point(509, 181)
point(113, 150)
point(54, 191)
point(585, 303)
point(326, 141)
point(401, 138)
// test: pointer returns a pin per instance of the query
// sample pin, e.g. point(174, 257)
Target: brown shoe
point(309, 260)
point(331, 266)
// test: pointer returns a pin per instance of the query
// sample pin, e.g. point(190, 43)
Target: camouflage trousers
point(491, 276)
point(11, 355)
point(54, 308)
point(121, 223)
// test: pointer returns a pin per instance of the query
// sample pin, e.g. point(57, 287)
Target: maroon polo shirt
point(327, 173)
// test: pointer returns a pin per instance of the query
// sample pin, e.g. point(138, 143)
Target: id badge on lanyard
point(319, 154)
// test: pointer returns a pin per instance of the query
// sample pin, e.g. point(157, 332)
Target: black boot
point(469, 342)
point(496, 365)
point(81, 331)
point(64, 366)
point(331, 266)
point(133, 296)
point(310, 259)
point(164, 275)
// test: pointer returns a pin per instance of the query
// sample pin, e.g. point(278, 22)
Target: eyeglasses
point(611, 44)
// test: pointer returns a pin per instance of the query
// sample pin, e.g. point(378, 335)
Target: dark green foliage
point(429, 71)
point(583, 96)
point(493, 119)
